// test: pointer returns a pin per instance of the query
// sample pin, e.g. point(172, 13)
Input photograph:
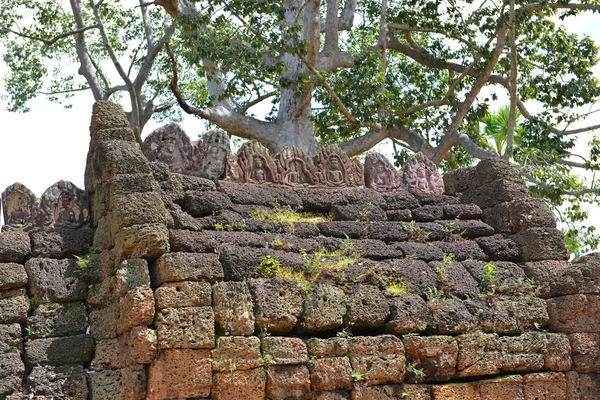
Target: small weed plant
point(85, 264)
point(268, 267)
point(488, 283)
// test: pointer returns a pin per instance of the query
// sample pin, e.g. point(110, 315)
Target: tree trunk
point(294, 118)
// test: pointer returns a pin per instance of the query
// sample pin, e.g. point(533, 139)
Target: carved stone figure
point(294, 167)
point(20, 208)
point(213, 155)
point(380, 174)
point(170, 144)
point(256, 164)
point(335, 169)
point(64, 205)
point(422, 176)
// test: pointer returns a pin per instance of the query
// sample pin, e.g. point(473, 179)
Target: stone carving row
point(63, 205)
point(211, 157)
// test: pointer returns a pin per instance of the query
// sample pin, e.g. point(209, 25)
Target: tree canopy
point(422, 73)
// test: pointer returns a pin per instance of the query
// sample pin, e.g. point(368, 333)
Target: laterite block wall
point(199, 290)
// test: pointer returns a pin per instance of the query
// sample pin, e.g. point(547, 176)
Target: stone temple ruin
point(185, 271)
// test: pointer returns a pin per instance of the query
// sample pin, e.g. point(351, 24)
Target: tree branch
point(254, 102)
point(86, 66)
point(48, 42)
point(449, 139)
point(135, 107)
point(512, 115)
point(234, 123)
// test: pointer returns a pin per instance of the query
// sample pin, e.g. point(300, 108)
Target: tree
point(100, 46)
point(419, 72)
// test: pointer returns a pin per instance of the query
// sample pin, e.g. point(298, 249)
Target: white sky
point(50, 143)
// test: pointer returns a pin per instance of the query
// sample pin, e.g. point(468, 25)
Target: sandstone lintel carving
point(63, 205)
point(256, 164)
point(334, 168)
point(422, 176)
point(294, 167)
point(213, 158)
point(380, 174)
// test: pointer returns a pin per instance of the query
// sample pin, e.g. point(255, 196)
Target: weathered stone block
point(132, 274)
point(277, 304)
point(232, 304)
point(462, 211)
point(515, 216)
point(64, 382)
point(558, 352)
point(435, 356)
point(559, 278)
point(104, 322)
point(409, 314)
point(529, 311)
point(367, 307)
point(377, 359)
point(498, 247)
point(341, 229)
point(357, 212)
point(550, 386)
point(14, 246)
point(284, 350)
point(55, 280)
point(468, 229)
point(589, 386)
point(331, 374)
point(11, 373)
point(541, 244)
point(12, 276)
point(61, 243)
point(123, 384)
point(186, 328)
point(420, 251)
point(236, 353)
point(138, 209)
point(509, 278)
point(332, 395)
point(416, 275)
point(137, 346)
point(58, 319)
point(489, 192)
point(194, 242)
point(463, 391)
point(505, 388)
point(332, 347)
point(203, 203)
point(183, 294)
point(415, 392)
point(563, 319)
point(60, 351)
point(112, 158)
point(324, 309)
point(175, 267)
point(10, 339)
point(248, 385)
point(381, 392)
point(399, 215)
point(463, 250)
point(288, 382)
point(523, 353)
point(586, 352)
point(454, 279)
point(478, 355)
point(389, 231)
point(180, 374)
point(14, 308)
point(148, 241)
point(450, 317)
point(428, 213)
point(136, 308)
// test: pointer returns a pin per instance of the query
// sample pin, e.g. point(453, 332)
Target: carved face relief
point(20, 208)
point(213, 164)
point(169, 144)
